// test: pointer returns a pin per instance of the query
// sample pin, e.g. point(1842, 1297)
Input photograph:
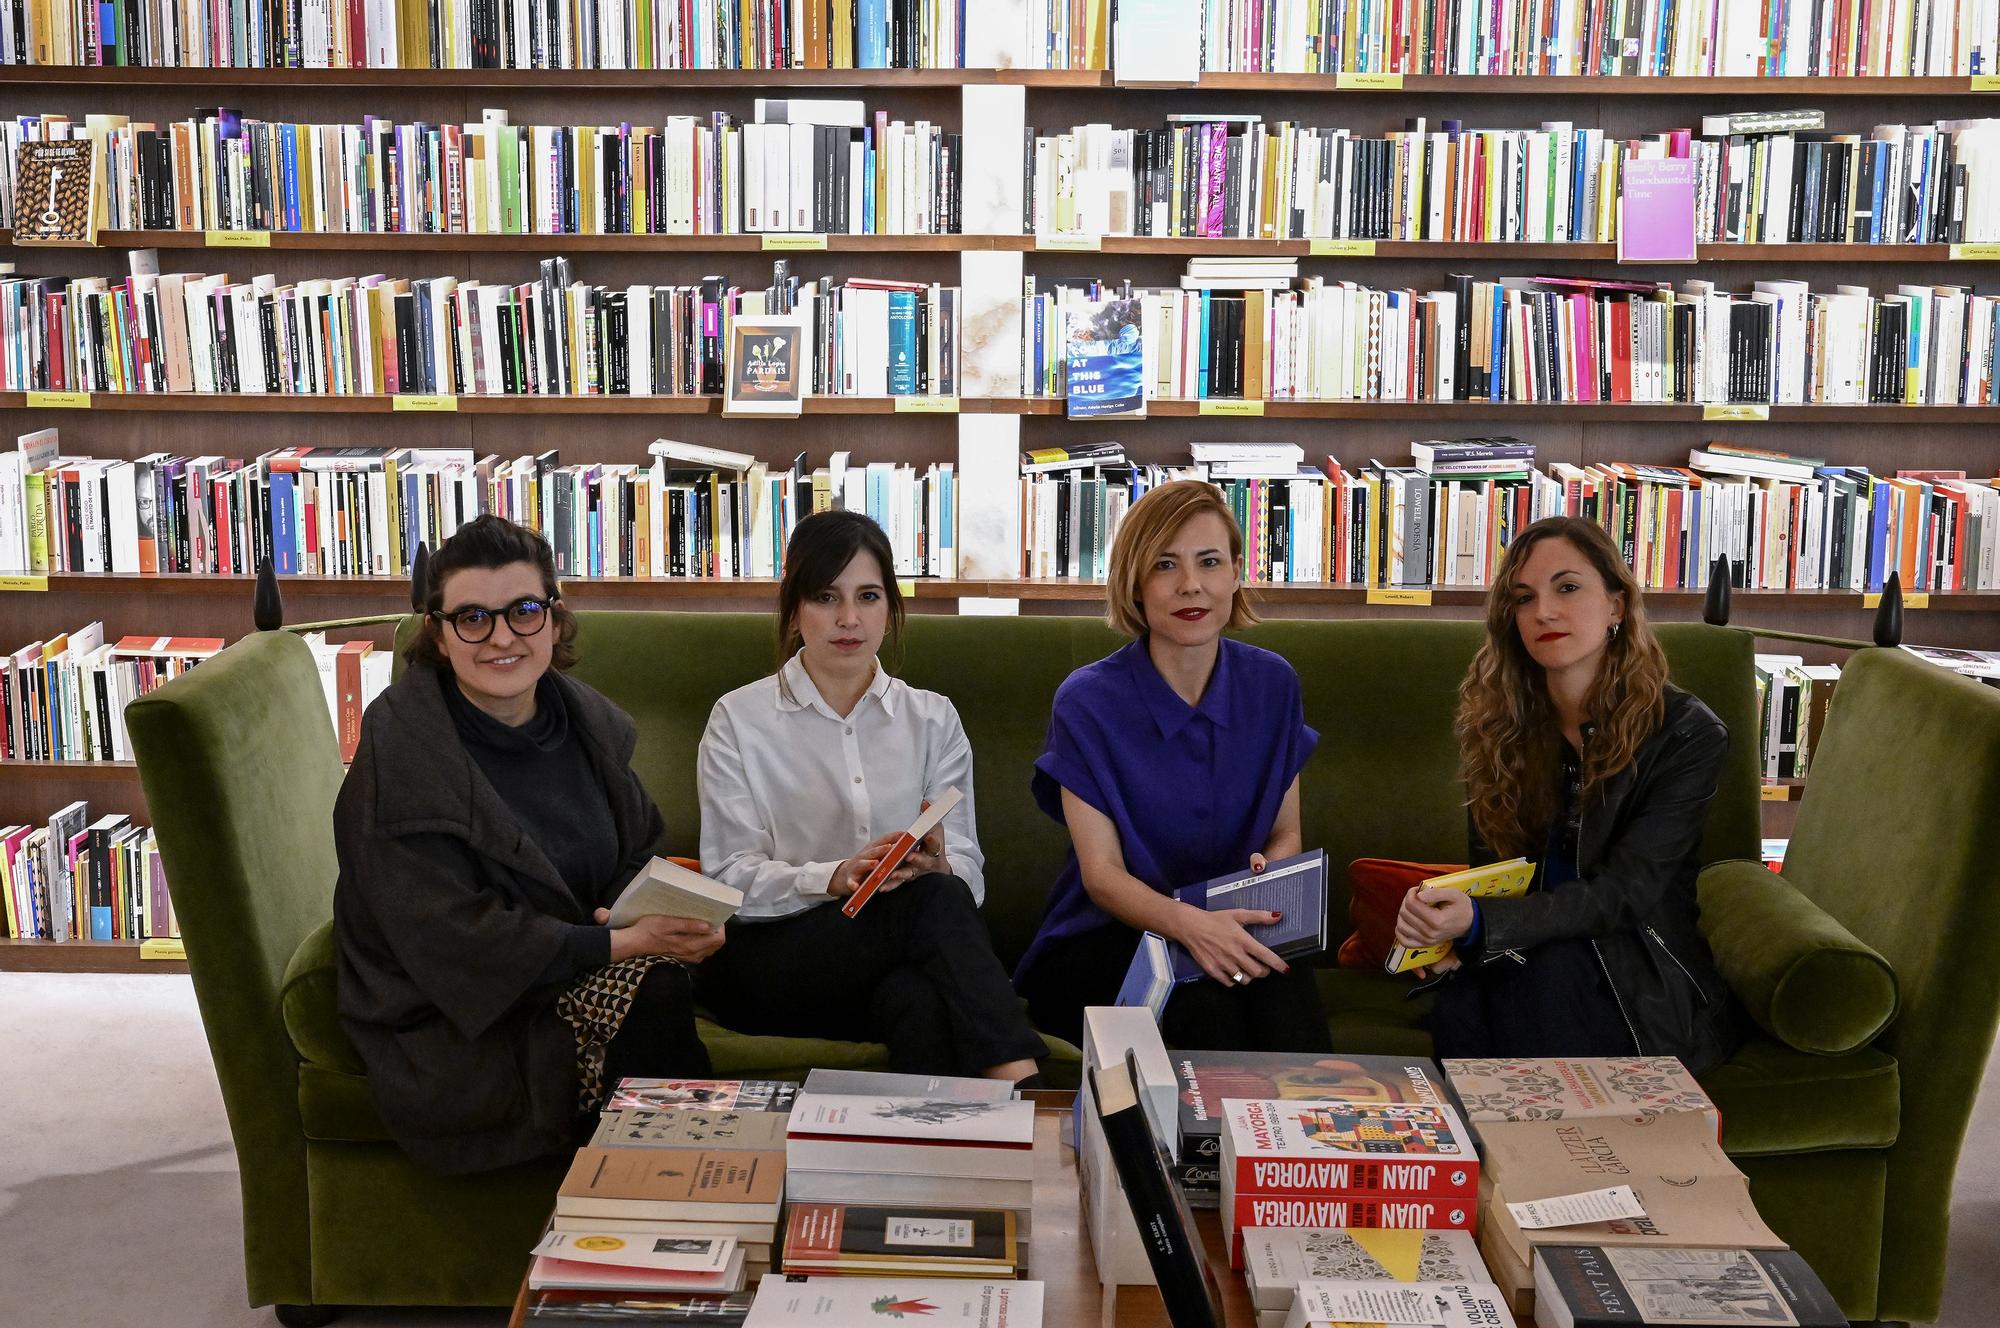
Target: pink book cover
point(1217, 158)
point(1656, 211)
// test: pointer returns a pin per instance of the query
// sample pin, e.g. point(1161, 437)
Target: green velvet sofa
point(1868, 957)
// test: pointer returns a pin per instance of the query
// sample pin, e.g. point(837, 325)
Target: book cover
point(643, 1128)
point(932, 816)
point(935, 1242)
point(1294, 888)
point(1593, 1286)
point(1474, 1303)
point(769, 364)
point(867, 1302)
point(612, 1248)
point(1150, 979)
point(1104, 353)
point(1208, 1077)
point(733, 1094)
point(904, 1120)
point(1559, 1089)
point(667, 888)
point(1277, 1259)
point(672, 1182)
point(55, 192)
point(1166, 1227)
point(572, 1308)
point(1346, 1148)
point(1498, 880)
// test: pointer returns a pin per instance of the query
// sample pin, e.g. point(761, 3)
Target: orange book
point(815, 34)
point(347, 691)
point(905, 844)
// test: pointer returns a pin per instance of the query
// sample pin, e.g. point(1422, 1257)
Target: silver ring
point(1238, 978)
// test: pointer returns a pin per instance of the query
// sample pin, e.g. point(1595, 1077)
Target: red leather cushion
point(1375, 890)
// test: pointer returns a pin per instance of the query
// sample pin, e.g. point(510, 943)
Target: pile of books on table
point(672, 1207)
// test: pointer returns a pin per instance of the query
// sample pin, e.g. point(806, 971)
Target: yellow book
point(38, 521)
point(642, 525)
point(1499, 880)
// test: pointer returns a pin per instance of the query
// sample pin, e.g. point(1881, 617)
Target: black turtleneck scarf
point(546, 778)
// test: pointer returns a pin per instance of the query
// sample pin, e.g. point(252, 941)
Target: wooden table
point(1059, 1253)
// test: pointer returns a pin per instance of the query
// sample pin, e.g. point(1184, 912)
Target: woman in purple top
point(1174, 760)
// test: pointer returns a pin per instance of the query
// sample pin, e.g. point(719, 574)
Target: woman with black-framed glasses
point(490, 818)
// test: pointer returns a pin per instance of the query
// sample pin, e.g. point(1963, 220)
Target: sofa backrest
point(240, 768)
point(1899, 840)
point(1382, 694)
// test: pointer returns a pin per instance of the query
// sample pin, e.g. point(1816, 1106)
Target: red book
point(347, 690)
point(905, 844)
point(1345, 1149)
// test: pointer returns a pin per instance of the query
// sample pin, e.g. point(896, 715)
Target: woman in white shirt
point(807, 777)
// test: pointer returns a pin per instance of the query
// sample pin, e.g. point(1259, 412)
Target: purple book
point(1656, 224)
point(1216, 159)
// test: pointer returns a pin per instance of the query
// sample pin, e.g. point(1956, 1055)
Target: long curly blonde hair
point(1509, 741)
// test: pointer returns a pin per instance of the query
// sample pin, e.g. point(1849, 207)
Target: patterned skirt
point(595, 1009)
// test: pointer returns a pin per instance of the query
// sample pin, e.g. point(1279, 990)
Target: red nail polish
point(1277, 917)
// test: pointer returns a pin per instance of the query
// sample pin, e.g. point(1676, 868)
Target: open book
point(671, 890)
point(1498, 880)
point(905, 844)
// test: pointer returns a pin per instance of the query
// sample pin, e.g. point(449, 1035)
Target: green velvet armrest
point(312, 1016)
point(1802, 976)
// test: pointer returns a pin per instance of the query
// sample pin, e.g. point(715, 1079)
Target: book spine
point(1270, 1177)
point(1426, 1214)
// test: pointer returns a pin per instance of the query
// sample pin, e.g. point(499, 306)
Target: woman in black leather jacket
point(1579, 755)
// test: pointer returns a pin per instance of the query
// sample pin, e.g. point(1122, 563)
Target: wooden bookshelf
point(81, 957)
point(589, 591)
point(540, 242)
point(608, 80)
point(283, 403)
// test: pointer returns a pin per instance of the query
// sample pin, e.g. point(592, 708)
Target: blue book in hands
point(1294, 888)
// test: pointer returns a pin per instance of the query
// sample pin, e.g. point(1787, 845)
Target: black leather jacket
point(1638, 853)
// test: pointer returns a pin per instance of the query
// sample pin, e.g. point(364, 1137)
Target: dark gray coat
point(445, 916)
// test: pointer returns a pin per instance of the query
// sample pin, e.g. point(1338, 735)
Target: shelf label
point(1399, 595)
point(1775, 793)
point(794, 242)
point(906, 587)
point(434, 401)
point(1735, 410)
point(1368, 82)
point(58, 401)
point(1912, 599)
point(1069, 244)
point(237, 239)
point(1984, 251)
point(21, 581)
point(927, 405)
point(1986, 82)
point(163, 947)
point(1342, 249)
point(1240, 410)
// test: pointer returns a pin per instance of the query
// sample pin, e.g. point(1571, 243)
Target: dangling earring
point(1616, 628)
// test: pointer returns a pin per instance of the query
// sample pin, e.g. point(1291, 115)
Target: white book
point(668, 889)
point(1446, 1304)
point(846, 113)
point(1277, 1259)
point(1109, 1033)
point(805, 163)
point(863, 1302)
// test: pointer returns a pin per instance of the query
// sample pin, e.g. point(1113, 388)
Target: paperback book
point(690, 1128)
point(1595, 1286)
point(870, 1241)
point(719, 1094)
point(1499, 880)
point(669, 889)
point(869, 1302)
point(1277, 1259)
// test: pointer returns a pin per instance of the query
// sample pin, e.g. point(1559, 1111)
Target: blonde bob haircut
point(1150, 525)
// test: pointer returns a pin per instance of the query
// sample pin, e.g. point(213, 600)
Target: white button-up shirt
point(790, 789)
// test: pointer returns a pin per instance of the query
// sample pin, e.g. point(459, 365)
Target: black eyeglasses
point(525, 617)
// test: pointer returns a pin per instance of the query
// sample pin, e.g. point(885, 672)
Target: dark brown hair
point(821, 547)
point(1510, 751)
point(491, 541)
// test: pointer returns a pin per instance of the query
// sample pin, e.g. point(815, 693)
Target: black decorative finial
point(420, 578)
point(267, 609)
point(1715, 609)
point(1889, 614)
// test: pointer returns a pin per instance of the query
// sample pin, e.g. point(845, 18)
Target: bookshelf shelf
point(586, 590)
point(602, 80)
point(1443, 411)
point(81, 957)
point(33, 771)
point(1174, 247)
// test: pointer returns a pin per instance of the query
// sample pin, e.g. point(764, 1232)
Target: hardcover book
point(1293, 887)
point(1593, 1286)
point(1209, 1077)
point(911, 1137)
point(1277, 1259)
point(860, 1240)
point(1560, 1089)
point(1346, 1149)
point(642, 1128)
point(769, 365)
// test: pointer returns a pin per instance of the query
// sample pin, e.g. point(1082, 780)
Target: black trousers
point(657, 1039)
point(1280, 1012)
point(1555, 1002)
point(914, 970)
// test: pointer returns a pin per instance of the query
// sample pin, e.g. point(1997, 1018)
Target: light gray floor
point(118, 1202)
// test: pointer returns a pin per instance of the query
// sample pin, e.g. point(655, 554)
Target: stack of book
point(1112, 1222)
point(677, 1194)
point(953, 1159)
point(1334, 1163)
point(1341, 1304)
point(73, 878)
point(1792, 698)
point(861, 1302)
point(1277, 1261)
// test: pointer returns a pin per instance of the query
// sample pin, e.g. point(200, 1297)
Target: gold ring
point(1238, 977)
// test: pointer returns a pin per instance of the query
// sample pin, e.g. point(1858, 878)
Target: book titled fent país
point(1596, 1286)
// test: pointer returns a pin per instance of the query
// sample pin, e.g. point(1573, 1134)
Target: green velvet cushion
point(1777, 1100)
point(1803, 977)
point(1375, 1014)
point(311, 1016)
point(337, 1106)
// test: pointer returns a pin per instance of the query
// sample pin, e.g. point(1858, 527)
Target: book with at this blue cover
point(1105, 354)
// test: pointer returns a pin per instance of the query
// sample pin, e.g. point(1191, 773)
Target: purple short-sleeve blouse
point(1192, 790)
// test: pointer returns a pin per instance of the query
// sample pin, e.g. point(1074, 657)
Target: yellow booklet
point(1499, 880)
